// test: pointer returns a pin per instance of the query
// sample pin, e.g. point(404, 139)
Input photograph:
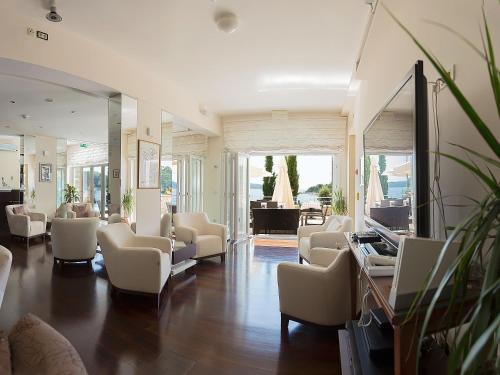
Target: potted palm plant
point(474, 343)
point(339, 203)
point(128, 203)
point(71, 194)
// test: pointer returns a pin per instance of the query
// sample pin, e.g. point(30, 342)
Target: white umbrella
point(256, 172)
point(374, 192)
point(282, 189)
point(402, 170)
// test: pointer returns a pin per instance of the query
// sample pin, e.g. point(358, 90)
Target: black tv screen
point(396, 162)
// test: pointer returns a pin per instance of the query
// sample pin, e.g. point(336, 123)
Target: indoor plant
point(474, 347)
point(128, 202)
point(71, 194)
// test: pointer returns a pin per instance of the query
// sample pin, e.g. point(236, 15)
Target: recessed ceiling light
point(49, 100)
point(12, 101)
point(73, 112)
point(41, 127)
point(25, 116)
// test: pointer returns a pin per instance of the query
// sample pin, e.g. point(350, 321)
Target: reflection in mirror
point(129, 158)
point(166, 176)
point(388, 166)
point(188, 151)
point(61, 169)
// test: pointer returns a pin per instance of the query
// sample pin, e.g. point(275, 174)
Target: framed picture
point(116, 173)
point(148, 174)
point(45, 172)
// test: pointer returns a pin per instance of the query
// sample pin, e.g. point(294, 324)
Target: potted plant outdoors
point(128, 203)
point(339, 206)
point(71, 194)
point(474, 342)
point(325, 195)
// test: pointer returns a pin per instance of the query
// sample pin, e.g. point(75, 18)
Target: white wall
point(45, 191)
point(9, 163)
point(389, 54)
point(73, 54)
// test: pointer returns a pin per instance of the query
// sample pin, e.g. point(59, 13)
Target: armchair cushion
point(19, 210)
point(208, 244)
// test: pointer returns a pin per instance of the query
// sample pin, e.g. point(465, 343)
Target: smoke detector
point(226, 21)
point(53, 16)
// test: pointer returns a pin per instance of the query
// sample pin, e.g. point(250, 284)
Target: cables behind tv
point(436, 191)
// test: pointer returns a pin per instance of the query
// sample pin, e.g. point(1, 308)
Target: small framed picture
point(149, 165)
point(45, 172)
point(116, 173)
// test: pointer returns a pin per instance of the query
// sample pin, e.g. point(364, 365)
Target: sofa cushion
point(81, 210)
point(5, 365)
point(208, 244)
point(37, 348)
point(19, 210)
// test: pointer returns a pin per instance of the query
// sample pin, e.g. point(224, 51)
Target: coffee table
point(181, 256)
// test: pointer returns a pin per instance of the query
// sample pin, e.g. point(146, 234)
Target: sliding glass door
point(94, 186)
point(187, 180)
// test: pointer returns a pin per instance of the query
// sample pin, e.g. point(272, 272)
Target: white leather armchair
point(210, 239)
point(29, 225)
point(5, 264)
point(318, 293)
point(64, 211)
point(74, 240)
point(135, 263)
point(329, 235)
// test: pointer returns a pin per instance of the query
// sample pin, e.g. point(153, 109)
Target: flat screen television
point(396, 162)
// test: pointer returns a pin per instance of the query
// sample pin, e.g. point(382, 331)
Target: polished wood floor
point(216, 319)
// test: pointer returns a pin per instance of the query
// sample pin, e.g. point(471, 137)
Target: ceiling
point(71, 114)
point(286, 54)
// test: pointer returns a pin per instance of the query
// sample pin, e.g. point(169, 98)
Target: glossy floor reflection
point(215, 319)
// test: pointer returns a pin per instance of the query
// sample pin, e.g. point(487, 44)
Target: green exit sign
point(84, 145)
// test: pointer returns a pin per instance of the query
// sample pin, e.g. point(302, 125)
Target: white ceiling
point(286, 54)
point(55, 119)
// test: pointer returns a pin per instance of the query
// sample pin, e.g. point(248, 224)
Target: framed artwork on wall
point(45, 170)
point(148, 176)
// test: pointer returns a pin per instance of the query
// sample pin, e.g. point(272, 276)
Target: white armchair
point(28, 224)
point(135, 263)
point(5, 264)
point(74, 240)
point(64, 211)
point(166, 225)
point(210, 239)
point(318, 293)
point(329, 235)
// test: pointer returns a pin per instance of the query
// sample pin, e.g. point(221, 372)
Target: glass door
point(242, 197)
point(86, 196)
point(97, 189)
point(60, 183)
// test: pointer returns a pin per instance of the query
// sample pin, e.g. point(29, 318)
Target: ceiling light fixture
point(73, 112)
point(226, 21)
point(12, 101)
point(53, 16)
point(49, 100)
point(26, 117)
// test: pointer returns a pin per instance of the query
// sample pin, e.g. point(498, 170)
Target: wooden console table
point(405, 332)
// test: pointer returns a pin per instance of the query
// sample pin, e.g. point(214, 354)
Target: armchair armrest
point(185, 234)
point(218, 230)
point(323, 257)
point(19, 225)
point(161, 243)
point(38, 216)
point(329, 240)
point(307, 231)
point(301, 287)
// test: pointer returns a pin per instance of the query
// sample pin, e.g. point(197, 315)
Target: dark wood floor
point(216, 319)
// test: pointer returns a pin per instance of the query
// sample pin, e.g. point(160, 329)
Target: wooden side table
point(181, 256)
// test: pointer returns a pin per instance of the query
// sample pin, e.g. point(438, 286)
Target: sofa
point(210, 238)
point(319, 293)
point(76, 210)
point(74, 240)
point(328, 235)
point(25, 223)
point(34, 347)
point(135, 263)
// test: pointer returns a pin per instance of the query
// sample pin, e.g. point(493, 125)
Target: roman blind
point(304, 133)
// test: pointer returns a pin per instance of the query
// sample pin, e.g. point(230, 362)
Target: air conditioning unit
point(8, 147)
